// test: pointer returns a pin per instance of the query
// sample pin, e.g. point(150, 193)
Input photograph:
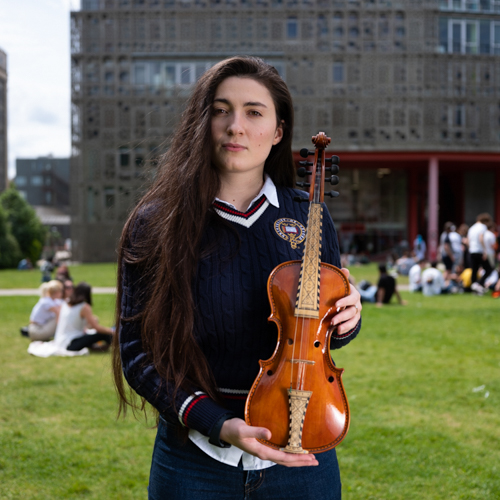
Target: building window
point(496, 38)
point(292, 28)
point(20, 181)
point(186, 77)
point(470, 5)
point(140, 74)
point(124, 157)
point(459, 116)
point(109, 197)
point(462, 36)
point(338, 72)
point(37, 180)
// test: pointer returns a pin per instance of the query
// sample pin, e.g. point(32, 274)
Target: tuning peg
point(306, 163)
point(304, 152)
point(333, 159)
point(334, 169)
point(334, 180)
point(303, 184)
point(332, 194)
point(302, 172)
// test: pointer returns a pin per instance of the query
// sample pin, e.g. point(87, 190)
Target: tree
point(25, 226)
point(10, 254)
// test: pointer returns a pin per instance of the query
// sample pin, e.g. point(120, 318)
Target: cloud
point(35, 35)
point(45, 116)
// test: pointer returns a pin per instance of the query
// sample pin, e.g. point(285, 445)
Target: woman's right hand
point(235, 431)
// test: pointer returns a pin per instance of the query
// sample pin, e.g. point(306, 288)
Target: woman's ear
point(278, 135)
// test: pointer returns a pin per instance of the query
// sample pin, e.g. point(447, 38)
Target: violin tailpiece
point(298, 401)
point(309, 282)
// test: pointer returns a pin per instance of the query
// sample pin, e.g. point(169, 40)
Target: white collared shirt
point(268, 189)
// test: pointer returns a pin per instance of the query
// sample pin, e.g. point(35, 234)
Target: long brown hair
point(178, 206)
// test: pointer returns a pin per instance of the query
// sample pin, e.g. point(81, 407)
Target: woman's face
point(244, 126)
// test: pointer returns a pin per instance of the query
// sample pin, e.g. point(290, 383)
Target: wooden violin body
point(298, 394)
point(326, 420)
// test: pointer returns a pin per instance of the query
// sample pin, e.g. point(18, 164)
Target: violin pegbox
point(331, 164)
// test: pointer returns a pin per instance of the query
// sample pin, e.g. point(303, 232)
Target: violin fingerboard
point(307, 305)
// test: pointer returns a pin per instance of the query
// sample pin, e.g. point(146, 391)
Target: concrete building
point(3, 121)
point(409, 91)
point(44, 183)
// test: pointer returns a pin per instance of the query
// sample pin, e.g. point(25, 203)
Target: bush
point(25, 226)
point(10, 254)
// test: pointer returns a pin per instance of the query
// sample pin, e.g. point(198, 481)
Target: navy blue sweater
point(231, 307)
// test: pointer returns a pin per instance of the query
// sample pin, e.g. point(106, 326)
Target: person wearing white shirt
point(451, 248)
point(477, 252)
point(489, 244)
point(432, 281)
point(415, 276)
point(43, 318)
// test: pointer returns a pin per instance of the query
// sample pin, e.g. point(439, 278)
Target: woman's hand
point(235, 431)
point(349, 317)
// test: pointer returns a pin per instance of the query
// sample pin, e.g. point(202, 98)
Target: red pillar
point(497, 196)
point(412, 206)
point(433, 217)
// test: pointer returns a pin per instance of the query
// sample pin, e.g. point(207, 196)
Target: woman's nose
point(235, 125)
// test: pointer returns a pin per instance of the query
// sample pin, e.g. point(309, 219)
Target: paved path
point(98, 290)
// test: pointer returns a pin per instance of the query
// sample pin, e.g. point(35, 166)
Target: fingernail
point(338, 309)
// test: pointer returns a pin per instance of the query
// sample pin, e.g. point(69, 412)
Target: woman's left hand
point(349, 317)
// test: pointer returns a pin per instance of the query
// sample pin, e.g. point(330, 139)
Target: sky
point(35, 35)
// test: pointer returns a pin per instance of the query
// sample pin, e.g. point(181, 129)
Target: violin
point(298, 393)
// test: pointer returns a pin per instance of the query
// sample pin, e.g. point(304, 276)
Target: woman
point(75, 318)
point(195, 257)
point(43, 318)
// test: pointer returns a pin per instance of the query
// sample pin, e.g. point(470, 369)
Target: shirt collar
point(268, 189)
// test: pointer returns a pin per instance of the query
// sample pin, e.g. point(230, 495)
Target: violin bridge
point(298, 401)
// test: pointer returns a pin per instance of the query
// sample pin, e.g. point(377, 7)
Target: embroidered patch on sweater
point(290, 230)
point(245, 219)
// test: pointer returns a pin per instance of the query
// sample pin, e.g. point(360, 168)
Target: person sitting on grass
point(432, 281)
point(415, 276)
point(75, 318)
point(43, 318)
point(382, 292)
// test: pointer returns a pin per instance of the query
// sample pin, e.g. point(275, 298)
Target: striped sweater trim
point(245, 219)
point(189, 404)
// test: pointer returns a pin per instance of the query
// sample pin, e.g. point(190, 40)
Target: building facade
point(44, 181)
point(3, 121)
point(45, 184)
point(409, 92)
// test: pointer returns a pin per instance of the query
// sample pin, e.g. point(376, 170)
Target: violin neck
point(307, 305)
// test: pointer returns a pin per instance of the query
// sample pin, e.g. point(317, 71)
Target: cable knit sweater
point(231, 304)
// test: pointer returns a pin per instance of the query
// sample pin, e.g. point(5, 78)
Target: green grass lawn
point(94, 274)
point(423, 382)
point(370, 272)
point(105, 275)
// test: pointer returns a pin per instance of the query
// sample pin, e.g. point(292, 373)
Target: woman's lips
point(229, 146)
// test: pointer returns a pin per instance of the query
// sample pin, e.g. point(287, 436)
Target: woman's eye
point(255, 113)
point(219, 111)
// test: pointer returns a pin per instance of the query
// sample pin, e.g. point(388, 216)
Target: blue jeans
point(370, 294)
point(181, 471)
